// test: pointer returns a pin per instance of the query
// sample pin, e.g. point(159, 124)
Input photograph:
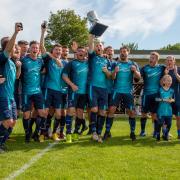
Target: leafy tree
point(64, 27)
point(172, 47)
point(131, 46)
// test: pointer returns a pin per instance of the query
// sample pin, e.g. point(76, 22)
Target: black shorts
point(55, 99)
point(7, 109)
point(126, 99)
point(98, 97)
point(149, 103)
point(77, 100)
point(36, 99)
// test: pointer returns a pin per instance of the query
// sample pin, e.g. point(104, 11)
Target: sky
point(150, 23)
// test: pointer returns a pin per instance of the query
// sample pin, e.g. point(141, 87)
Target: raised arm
point(11, 42)
point(91, 42)
point(74, 48)
point(42, 46)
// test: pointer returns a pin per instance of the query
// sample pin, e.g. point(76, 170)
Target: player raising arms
point(124, 73)
point(54, 84)
point(31, 91)
point(97, 90)
point(16, 59)
point(151, 75)
point(174, 72)
point(8, 114)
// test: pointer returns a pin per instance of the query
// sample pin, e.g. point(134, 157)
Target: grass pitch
point(117, 158)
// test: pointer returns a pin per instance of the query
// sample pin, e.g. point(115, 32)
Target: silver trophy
point(96, 28)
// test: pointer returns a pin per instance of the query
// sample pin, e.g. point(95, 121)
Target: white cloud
point(124, 17)
point(141, 17)
point(32, 14)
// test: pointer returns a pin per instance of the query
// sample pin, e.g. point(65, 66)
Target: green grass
point(118, 158)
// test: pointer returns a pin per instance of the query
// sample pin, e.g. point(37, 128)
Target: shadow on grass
point(86, 141)
point(17, 143)
point(121, 141)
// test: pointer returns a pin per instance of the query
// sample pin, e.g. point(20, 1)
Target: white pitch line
point(32, 161)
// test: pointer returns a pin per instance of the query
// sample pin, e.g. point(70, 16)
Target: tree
point(64, 27)
point(131, 46)
point(172, 47)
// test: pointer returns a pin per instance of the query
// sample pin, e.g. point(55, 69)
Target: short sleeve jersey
point(31, 75)
point(96, 76)
point(151, 76)
point(77, 71)
point(124, 78)
point(165, 108)
point(8, 71)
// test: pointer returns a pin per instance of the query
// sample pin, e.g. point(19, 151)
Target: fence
point(137, 89)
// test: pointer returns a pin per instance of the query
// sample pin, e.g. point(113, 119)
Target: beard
point(123, 57)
